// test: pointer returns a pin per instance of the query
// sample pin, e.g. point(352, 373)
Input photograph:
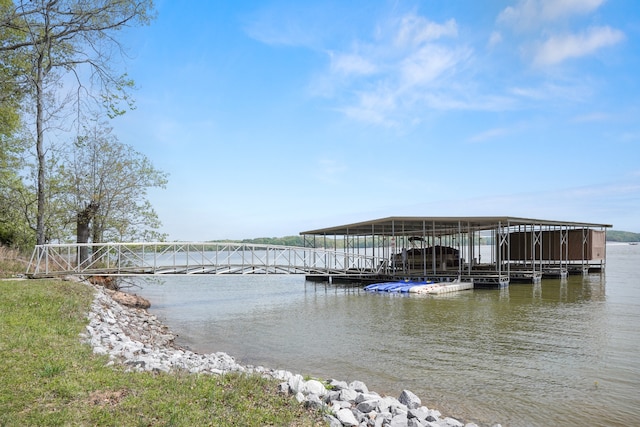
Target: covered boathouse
point(489, 251)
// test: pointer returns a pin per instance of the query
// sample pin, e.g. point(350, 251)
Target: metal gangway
point(177, 258)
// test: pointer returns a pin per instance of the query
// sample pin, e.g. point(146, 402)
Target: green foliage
point(48, 377)
point(15, 197)
point(11, 71)
point(99, 169)
point(281, 241)
point(42, 42)
point(622, 236)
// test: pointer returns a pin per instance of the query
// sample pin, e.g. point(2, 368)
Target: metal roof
point(401, 225)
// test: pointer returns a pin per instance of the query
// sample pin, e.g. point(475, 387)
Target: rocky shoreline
point(132, 336)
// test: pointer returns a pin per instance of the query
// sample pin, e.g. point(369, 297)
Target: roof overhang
point(408, 226)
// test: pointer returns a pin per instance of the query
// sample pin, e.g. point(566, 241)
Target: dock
point(487, 251)
point(484, 251)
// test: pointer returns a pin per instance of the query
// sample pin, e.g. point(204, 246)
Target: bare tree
point(57, 37)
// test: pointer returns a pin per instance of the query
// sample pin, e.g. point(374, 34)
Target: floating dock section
point(485, 251)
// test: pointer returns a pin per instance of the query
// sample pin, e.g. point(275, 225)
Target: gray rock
point(435, 413)
point(366, 396)
point(333, 421)
point(346, 417)
point(281, 375)
point(359, 386)
point(453, 422)
point(331, 396)
point(400, 410)
point(296, 384)
point(383, 417)
point(410, 400)
point(399, 420)
point(348, 394)
point(315, 387)
point(360, 417)
point(339, 404)
point(420, 413)
point(367, 406)
point(386, 403)
point(338, 385)
point(313, 401)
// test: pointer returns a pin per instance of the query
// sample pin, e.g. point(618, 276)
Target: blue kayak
point(388, 287)
point(374, 287)
point(400, 286)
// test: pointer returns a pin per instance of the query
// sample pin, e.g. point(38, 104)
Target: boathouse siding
point(579, 245)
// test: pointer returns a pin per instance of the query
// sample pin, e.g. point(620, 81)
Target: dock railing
point(127, 259)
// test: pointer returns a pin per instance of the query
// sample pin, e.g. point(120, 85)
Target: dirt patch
point(109, 282)
point(107, 398)
point(130, 300)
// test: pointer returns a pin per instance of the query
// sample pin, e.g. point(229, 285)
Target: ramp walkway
point(178, 258)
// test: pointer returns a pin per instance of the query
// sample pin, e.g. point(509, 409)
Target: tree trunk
point(40, 235)
point(83, 230)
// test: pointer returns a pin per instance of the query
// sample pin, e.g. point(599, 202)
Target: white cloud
point(373, 107)
point(351, 64)
point(558, 48)
point(392, 74)
point(427, 64)
point(556, 9)
point(576, 91)
point(415, 30)
point(495, 38)
point(529, 14)
point(466, 101)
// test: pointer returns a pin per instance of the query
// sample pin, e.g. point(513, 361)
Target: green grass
point(48, 377)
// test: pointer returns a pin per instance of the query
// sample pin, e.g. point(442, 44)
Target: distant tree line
point(622, 236)
point(281, 241)
point(299, 241)
point(612, 236)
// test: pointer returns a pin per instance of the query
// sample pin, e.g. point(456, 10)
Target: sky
point(274, 117)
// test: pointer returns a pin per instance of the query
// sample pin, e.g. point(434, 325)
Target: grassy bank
point(48, 377)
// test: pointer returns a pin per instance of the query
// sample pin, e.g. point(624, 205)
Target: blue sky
point(275, 117)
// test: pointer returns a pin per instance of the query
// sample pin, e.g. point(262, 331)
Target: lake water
point(562, 352)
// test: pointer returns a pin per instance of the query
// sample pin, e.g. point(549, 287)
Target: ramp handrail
point(126, 259)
